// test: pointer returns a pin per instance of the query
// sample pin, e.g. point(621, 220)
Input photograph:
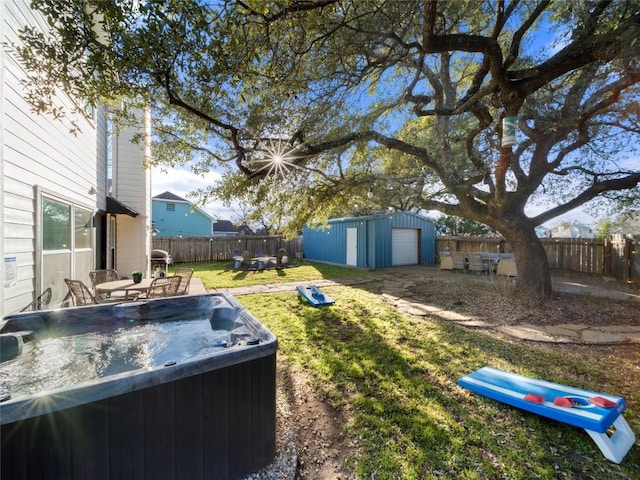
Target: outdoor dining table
point(491, 259)
point(261, 263)
point(125, 286)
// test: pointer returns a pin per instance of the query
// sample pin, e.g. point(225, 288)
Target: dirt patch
point(493, 300)
point(315, 426)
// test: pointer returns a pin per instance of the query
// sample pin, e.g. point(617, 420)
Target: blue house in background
point(173, 216)
point(373, 241)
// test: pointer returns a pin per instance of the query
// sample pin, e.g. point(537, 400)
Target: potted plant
point(137, 276)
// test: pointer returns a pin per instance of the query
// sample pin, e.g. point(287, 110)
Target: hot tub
point(172, 388)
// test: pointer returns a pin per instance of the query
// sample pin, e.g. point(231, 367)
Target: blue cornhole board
point(511, 388)
point(314, 296)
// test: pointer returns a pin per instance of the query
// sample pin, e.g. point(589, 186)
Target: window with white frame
point(66, 244)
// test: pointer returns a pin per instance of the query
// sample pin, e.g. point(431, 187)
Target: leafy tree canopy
point(310, 105)
point(452, 225)
point(625, 224)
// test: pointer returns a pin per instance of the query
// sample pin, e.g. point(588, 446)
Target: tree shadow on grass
point(397, 376)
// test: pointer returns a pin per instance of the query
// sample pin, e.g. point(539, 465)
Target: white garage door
point(404, 246)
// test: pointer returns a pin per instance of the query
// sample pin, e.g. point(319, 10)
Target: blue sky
point(182, 181)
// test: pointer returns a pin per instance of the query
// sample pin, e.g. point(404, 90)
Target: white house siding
point(36, 150)
point(132, 186)
point(2, 214)
point(102, 185)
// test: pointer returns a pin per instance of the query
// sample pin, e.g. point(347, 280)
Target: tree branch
point(579, 53)
point(295, 6)
point(625, 183)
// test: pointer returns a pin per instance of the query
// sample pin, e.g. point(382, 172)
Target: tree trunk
point(534, 276)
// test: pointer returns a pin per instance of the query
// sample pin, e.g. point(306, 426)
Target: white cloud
point(182, 182)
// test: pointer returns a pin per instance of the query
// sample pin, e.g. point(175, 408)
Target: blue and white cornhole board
point(314, 296)
point(583, 407)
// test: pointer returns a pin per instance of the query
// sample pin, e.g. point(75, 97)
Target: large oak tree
point(310, 105)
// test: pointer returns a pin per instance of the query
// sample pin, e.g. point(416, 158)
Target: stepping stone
point(574, 326)
point(389, 298)
point(432, 309)
point(619, 329)
point(524, 332)
point(413, 310)
point(476, 324)
point(449, 315)
point(593, 336)
point(633, 337)
point(562, 331)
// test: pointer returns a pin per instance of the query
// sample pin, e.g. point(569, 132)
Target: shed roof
point(380, 215)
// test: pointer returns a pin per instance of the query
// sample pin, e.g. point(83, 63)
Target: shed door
point(352, 246)
point(404, 246)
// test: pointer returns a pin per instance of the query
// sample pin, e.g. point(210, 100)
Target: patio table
point(491, 259)
point(127, 285)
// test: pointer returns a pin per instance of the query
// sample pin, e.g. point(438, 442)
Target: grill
point(160, 258)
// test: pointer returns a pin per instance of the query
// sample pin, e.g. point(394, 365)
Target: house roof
point(224, 226)
point(170, 196)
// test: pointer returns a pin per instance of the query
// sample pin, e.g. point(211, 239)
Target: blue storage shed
point(373, 241)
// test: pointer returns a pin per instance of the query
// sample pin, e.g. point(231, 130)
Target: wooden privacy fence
point(218, 249)
point(617, 257)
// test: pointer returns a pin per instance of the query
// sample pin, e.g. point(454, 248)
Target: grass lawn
point(221, 275)
point(393, 379)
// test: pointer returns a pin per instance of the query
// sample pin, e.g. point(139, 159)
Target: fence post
point(607, 268)
point(627, 261)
